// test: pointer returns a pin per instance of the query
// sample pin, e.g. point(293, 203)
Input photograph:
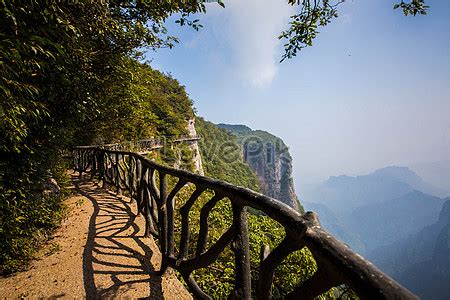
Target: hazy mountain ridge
point(376, 209)
point(389, 217)
point(384, 223)
point(396, 257)
point(408, 176)
point(335, 225)
point(421, 261)
point(345, 193)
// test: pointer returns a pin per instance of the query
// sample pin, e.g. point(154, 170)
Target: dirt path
point(99, 252)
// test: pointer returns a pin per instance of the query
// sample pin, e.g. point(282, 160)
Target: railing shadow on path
point(116, 257)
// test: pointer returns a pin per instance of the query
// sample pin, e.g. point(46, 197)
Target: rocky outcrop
point(197, 159)
point(269, 157)
point(51, 188)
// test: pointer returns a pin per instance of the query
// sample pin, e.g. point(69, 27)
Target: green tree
point(312, 14)
point(66, 65)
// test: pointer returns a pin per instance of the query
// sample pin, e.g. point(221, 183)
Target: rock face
point(198, 165)
point(269, 157)
point(51, 188)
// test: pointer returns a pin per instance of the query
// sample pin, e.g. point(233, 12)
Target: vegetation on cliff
point(269, 157)
point(222, 156)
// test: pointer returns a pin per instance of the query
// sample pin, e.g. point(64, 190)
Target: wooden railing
point(147, 183)
point(147, 145)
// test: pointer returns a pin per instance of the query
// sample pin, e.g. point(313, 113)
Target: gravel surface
point(98, 252)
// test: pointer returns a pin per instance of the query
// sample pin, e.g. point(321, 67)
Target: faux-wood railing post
point(137, 177)
point(162, 220)
point(243, 286)
point(103, 167)
point(79, 163)
point(143, 187)
point(264, 289)
point(118, 190)
point(93, 155)
point(170, 206)
point(131, 172)
point(99, 167)
point(269, 261)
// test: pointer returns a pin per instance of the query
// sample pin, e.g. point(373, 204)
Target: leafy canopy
point(69, 76)
point(312, 14)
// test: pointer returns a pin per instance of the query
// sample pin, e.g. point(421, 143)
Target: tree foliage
point(69, 76)
point(312, 14)
point(144, 102)
point(414, 7)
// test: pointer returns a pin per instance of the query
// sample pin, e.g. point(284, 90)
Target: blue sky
point(373, 91)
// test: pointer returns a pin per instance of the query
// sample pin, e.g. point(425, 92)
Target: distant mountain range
point(421, 261)
point(396, 219)
point(335, 225)
point(345, 193)
point(385, 222)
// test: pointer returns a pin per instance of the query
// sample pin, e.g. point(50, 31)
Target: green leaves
point(303, 27)
point(183, 20)
point(414, 7)
point(68, 76)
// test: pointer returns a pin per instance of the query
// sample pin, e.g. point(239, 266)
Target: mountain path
point(99, 251)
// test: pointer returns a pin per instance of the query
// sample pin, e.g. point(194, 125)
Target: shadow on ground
point(116, 258)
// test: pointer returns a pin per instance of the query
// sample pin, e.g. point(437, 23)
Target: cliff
point(222, 156)
point(197, 159)
point(269, 157)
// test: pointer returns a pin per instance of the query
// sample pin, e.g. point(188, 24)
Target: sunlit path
point(99, 252)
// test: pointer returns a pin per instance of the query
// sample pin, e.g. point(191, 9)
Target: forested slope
point(222, 156)
point(70, 75)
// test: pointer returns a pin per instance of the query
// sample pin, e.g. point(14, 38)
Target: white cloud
point(254, 26)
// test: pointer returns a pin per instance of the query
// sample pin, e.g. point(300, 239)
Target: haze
point(373, 91)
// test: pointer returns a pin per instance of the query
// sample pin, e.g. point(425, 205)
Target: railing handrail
point(337, 264)
point(145, 145)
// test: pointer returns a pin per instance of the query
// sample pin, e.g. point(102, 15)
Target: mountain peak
point(408, 176)
point(400, 173)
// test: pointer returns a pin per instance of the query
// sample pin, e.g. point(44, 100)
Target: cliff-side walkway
point(98, 252)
